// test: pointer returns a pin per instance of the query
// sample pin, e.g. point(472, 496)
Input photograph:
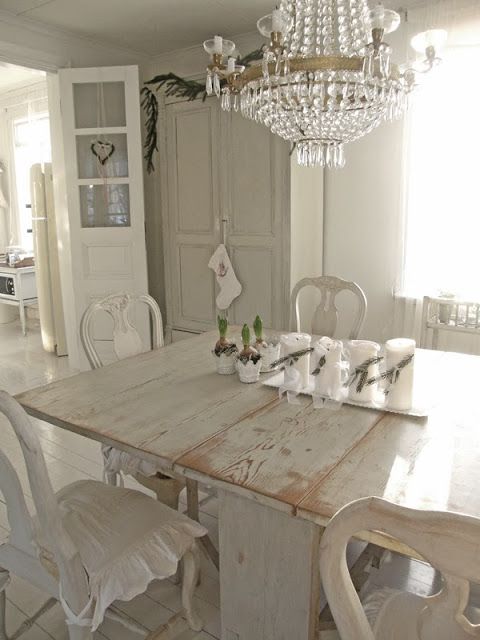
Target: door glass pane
point(111, 149)
point(99, 104)
point(105, 205)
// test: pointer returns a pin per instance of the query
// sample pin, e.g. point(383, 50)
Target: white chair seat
point(125, 539)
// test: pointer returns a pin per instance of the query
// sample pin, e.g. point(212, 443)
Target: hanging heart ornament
point(102, 150)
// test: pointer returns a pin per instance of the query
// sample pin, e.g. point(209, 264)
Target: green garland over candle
point(174, 86)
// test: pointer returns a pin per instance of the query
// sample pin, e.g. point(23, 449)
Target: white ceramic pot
point(249, 372)
point(225, 363)
point(269, 354)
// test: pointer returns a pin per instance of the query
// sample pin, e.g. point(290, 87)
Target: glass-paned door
point(103, 158)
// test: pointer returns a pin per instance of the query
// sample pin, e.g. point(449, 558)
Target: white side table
point(18, 287)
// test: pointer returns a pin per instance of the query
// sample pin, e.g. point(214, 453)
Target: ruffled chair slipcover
point(125, 539)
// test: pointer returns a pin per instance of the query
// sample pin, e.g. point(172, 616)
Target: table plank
point(160, 404)
point(429, 463)
point(284, 450)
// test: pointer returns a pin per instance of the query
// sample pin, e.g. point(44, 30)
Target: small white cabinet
point(224, 176)
point(18, 287)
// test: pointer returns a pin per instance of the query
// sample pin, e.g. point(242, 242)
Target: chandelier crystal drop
point(326, 77)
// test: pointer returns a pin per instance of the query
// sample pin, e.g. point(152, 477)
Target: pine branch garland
point(291, 358)
point(360, 374)
point(321, 363)
point(174, 85)
point(393, 374)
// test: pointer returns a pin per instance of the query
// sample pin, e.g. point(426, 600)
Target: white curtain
point(442, 203)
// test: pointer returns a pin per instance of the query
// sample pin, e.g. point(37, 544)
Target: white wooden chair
point(126, 343)
point(448, 541)
point(90, 543)
point(445, 314)
point(325, 317)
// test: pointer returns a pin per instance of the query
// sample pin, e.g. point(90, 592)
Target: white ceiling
point(150, 26)
point(13, 77)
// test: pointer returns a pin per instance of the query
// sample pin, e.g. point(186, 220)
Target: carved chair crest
point(325, 317)
point(126, 339)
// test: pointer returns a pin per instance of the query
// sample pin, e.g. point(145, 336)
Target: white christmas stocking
point(230, 287)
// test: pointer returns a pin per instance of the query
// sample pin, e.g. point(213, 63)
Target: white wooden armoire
point(225, 177)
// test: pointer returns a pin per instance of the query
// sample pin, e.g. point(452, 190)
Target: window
point(31, 141)
point(442, 250)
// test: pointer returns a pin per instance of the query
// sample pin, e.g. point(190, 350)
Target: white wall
point(364, 215)
point(306, 231)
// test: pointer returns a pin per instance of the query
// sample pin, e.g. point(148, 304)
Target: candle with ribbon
point(298, 366)
point(399, 363)
point(328, 369)
point(364, 368)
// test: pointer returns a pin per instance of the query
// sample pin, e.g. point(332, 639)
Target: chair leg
point(111, 478)
point(4, 580)
point(3, 627)
point(191, 571)
point(79, 633)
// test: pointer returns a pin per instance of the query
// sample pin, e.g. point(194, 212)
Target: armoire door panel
point(221, 166)
point(195, 181)
point(254, 268)
point(251, 178)
point(197, 283)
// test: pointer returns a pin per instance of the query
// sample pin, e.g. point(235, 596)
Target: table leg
point(270, 580)
point(21, 307)
point(194, 514)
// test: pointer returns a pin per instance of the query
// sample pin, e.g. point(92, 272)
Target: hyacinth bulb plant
point(225, 350)
point(258, 328)
point(248, 353)
point(249, 361)
point(224, 345)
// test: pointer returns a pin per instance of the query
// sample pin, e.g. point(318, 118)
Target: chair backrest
point(448, 541)
point(22, 534)
point(325, 317)
point(452, 314)
point(126, 339)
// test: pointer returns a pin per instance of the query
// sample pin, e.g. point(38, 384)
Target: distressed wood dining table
point(281, 470)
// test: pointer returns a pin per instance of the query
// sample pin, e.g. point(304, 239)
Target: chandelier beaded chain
point(326, 78)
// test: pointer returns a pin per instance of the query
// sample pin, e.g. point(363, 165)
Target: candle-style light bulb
point(231, 65)
point(218, 44)
point(277, 20)
point(384, 19)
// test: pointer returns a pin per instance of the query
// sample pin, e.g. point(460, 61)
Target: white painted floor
point(23, 365)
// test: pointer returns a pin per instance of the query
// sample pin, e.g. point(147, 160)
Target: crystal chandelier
point(326, 77)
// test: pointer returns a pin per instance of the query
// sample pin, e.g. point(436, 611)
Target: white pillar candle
point(400, 392)
point(360, 352)
point(231, 65)
point(328, 382)
point(217, 44)
point(277, 21)
point(292, 343)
